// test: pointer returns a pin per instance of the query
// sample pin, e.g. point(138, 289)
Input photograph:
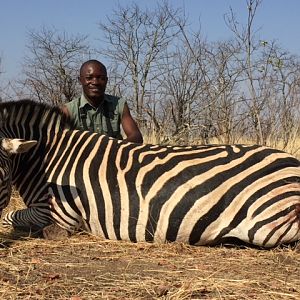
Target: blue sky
point(277, 20)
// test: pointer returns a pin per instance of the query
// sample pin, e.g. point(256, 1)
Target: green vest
point(105, 119)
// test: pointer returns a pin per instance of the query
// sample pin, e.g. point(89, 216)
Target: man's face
point(93, 78)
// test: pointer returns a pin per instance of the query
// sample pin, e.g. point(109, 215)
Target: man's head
point(93, 78)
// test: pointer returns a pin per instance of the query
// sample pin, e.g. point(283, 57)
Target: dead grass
point(88, 267)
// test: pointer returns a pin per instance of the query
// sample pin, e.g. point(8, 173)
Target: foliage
point(181, 89)
point(51, 69)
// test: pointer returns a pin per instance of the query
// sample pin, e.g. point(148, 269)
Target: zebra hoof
point(55, 232)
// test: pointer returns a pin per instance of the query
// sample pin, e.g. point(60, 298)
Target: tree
point(248, 60)
point(0, 75)
point(215, 76)
point(136, 41)
point(269, 85)
point(51, 67)
point(180, 85)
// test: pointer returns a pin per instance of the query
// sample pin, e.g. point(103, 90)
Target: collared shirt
point(105, 119)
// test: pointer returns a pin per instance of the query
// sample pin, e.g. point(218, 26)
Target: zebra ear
point(14, 146)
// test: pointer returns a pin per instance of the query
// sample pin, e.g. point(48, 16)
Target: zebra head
point(8, 149)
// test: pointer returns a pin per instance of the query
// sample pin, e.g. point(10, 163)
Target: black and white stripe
point(202, 195)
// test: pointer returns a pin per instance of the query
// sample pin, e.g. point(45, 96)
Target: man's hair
point(92, 61)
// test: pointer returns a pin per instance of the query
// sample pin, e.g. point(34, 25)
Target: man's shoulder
point(73, 102)
point(114, 100)
point(115, 103)
point(111, 98)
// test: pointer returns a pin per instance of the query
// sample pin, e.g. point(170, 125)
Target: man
point(100, 112)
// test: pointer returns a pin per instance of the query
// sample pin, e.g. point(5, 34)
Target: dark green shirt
point(105, 119)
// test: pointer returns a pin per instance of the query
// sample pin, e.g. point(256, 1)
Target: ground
point(88, 267)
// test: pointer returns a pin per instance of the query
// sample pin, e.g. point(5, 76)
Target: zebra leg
point(31, 218)
point(63, 216)
point(58, 230)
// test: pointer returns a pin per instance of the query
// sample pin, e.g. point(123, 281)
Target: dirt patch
point(88, 267)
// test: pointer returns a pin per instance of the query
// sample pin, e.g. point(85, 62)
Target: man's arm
point(130, 127)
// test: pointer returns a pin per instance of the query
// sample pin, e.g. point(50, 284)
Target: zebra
point(201, 195)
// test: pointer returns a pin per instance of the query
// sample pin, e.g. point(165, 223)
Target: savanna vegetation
point(182, 88)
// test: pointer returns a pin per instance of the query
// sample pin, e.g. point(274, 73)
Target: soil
point(88, 267)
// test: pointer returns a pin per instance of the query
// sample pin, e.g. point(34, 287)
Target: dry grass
point(88, 267)
point(293, 147)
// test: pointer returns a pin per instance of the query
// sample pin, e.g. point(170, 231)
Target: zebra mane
point(29, 114)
